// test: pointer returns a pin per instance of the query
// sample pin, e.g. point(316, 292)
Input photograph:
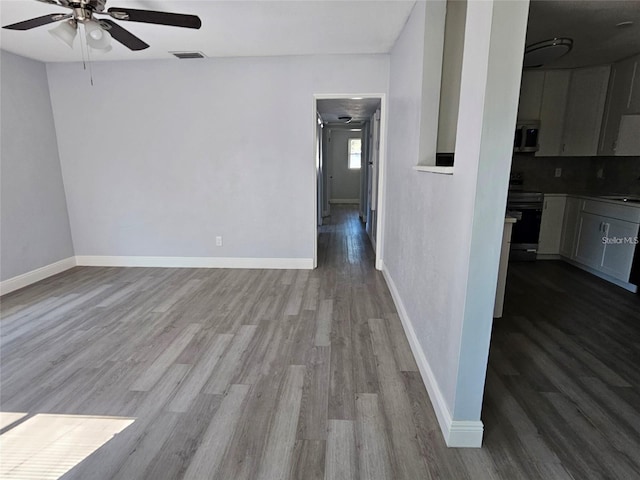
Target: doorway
point(349, 142)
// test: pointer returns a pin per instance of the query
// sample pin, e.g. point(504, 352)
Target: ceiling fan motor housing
point(93, 5)
point(83, 9)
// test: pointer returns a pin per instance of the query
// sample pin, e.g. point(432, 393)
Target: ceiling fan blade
point(161, 18)
point(52, 2)
point(123, 36)
point(38, 21)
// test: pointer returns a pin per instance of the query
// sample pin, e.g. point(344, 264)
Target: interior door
point(319, 170)
point(372, 178)
point(326, 176)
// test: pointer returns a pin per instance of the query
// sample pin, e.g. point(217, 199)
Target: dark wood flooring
point(564, 373)
point(275, 374)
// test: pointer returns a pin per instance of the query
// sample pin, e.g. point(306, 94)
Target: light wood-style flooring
point(275, 374)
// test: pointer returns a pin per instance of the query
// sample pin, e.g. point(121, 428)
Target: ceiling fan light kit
point(65, 32)
point(97, 37)
point(99, 31)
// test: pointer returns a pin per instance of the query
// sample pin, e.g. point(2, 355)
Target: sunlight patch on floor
point(7, 418)
point(46, 446)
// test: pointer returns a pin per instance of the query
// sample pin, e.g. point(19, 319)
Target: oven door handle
point(525, 206)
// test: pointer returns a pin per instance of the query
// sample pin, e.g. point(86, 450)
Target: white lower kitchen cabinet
point(590, 247)
point(551, 227)
point(619, 248)
point(600, 236)
point(572, 210)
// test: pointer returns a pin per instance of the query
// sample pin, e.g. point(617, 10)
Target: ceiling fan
point(99, 31)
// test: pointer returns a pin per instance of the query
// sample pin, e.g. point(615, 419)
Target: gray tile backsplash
point(579, 174)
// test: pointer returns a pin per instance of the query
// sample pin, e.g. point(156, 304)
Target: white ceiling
point(229, 28)
point(591, 25)
point(361, 109)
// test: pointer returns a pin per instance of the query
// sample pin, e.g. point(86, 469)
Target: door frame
point(381, 190)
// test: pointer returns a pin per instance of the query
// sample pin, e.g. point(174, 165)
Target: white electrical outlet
point(218, 241)
point(558, 172)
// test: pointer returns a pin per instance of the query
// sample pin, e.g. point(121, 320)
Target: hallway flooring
point(276, 374)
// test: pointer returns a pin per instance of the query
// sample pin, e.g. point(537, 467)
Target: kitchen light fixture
point(66, 32)
point(541, 53)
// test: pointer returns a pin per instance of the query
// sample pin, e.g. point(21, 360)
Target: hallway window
point(355, 153)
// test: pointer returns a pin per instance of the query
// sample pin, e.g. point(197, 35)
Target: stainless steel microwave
point(526, 137)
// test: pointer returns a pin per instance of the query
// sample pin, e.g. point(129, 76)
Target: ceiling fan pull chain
point(80, 28)
point(90, 65)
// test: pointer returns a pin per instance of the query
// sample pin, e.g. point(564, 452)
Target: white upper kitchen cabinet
point(623, 98)
point(585, 108)
point(628, 142)
point(551, 226)
point(531, 87)
point(552, 111)
point(634, 91)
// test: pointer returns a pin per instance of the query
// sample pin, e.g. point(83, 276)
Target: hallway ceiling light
point(345, 119)
point(541, 53)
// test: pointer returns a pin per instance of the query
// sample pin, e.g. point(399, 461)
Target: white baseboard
point(457, 433)
point(26, 279)
point(195, 262)
point(351, 201)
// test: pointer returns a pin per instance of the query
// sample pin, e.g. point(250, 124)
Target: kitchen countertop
point(598, 198)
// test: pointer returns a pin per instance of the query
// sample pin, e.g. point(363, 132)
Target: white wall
point(174, 153)
point(492, 61)
point(427, 221)
point(442, 232)
point(34, 223)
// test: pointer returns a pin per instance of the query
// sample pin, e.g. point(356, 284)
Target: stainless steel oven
point(526, 207)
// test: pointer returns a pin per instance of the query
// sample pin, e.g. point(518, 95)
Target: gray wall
point(344, 183)
point(443, 232)
point(425, 241)
point(181, 151)
point(33, 213)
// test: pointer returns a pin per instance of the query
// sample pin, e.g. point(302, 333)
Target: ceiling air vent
point(183, 55)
